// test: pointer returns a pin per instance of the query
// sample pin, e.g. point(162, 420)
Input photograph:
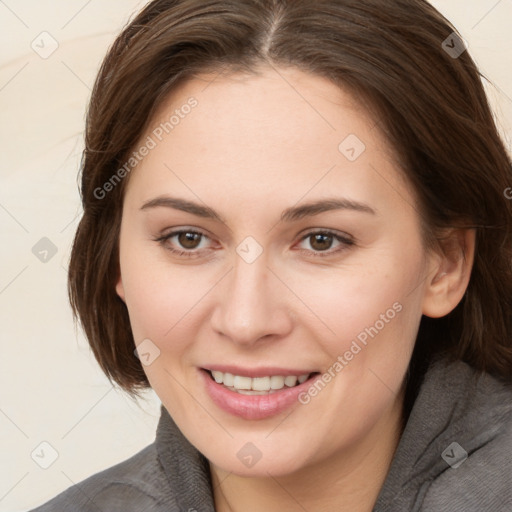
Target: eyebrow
point(291, 214)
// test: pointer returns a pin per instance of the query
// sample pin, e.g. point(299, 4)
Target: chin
point(251, 461)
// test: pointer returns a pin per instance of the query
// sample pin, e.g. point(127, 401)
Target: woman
point(296, 231)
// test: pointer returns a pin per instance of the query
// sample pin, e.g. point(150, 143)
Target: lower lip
point(254, 407)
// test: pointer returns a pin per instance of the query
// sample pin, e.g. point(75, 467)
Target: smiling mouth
point(258, 385)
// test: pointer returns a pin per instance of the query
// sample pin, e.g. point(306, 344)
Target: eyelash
point(346, 241)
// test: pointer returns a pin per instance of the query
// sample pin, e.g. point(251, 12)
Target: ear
point(451, 270)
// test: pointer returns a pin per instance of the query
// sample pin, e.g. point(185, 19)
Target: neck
point(348, 480)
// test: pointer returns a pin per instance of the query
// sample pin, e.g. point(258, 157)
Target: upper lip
point(262, 371)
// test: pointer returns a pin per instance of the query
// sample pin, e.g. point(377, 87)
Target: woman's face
point(277, 273)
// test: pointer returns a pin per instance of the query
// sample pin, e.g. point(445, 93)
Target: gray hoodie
point(454, 456)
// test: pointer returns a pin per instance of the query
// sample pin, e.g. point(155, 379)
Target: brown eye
point(188, 239)
point(184, 242)
point(321, 241)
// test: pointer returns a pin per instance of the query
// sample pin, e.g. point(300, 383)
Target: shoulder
point(455, 452)
point(477, 444)
point(138, 483)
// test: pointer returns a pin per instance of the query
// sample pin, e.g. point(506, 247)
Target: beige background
point(51, 389)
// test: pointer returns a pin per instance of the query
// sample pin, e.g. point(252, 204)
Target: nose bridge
point(250, 305)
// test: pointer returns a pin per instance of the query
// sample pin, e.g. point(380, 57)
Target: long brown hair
point(429, 102)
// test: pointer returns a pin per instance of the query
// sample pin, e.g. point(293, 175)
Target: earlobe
point(120, 288)
point(451, 271)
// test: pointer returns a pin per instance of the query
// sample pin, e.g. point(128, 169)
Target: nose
point(251, 303)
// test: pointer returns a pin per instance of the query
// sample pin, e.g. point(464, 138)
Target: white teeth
point(242, 382)
point(290, 381)
point(218, 376)
point(260, 383)
point(228, 379)
point(276, 382)
point(257, 385)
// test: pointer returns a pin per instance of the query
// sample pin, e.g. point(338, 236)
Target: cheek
point(347, 301)
point(368, 314)
point(160, 302)
point(163, 300)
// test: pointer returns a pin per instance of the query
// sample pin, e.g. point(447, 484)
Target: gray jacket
point(454, 456)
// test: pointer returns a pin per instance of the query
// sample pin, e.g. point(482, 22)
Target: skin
point(254, 146)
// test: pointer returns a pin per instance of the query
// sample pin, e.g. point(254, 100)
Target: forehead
point(276, 106)
point(280, 129)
